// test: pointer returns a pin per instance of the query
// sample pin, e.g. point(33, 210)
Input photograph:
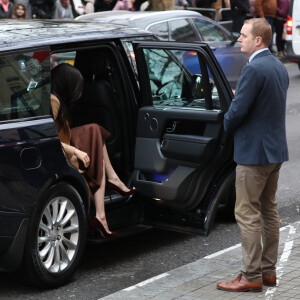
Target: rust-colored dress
point(89, 138)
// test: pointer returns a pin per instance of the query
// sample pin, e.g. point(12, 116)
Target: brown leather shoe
point(269, 280)
point(240, 284)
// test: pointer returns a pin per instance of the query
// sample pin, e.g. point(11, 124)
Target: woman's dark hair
point(67, 86)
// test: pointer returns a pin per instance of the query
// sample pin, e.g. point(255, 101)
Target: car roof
point(15, 34)
point(137, 18)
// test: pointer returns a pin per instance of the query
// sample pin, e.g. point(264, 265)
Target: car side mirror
point(197, 86)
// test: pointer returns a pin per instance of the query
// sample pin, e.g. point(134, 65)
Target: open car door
point(183, 159)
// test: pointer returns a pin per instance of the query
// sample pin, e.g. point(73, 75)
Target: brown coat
point(266, 8)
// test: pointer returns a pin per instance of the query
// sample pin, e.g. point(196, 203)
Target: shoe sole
point(253, 290)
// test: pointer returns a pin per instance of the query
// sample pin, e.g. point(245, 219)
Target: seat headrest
point(92, 64)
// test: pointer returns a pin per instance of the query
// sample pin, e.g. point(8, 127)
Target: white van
point(293, 32)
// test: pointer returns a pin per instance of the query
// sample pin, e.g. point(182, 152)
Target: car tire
point(56, 237)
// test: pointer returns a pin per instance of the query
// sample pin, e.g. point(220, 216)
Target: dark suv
point(167, 140)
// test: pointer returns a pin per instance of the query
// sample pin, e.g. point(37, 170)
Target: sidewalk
point(198, 280)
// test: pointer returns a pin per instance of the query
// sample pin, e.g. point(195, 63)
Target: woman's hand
point(83, 157)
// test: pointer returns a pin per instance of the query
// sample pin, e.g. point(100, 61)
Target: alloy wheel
point(58, 235)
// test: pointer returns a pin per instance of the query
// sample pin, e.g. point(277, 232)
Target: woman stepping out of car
point(84, 146)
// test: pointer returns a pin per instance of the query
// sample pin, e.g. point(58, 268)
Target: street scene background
point(114, 266)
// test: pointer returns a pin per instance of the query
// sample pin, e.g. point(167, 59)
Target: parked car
point(293, 32)
point(167, 139)
point(184, 26)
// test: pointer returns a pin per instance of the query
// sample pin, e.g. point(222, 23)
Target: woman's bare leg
point(110, 172)
point(99, 202)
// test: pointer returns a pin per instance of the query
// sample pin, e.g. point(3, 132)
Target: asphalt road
point(108, 268)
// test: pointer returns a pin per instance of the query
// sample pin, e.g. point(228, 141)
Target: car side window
point(177, 79)
point(210, 32)
point(161, 30)
point(24, 85)
point(182, 31)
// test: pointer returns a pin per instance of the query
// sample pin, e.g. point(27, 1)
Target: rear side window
point(160, 29)
point(182, 31)
point(210, 32)
point(24, 85)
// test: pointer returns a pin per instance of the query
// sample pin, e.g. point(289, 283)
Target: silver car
point(183, 26)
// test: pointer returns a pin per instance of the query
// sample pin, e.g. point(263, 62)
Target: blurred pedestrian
point(27, 4)
point(181, 4)
point(6, 9)
point(78, 7)
point(204, 4)
point(63, 10)
point(161, 5)
point(240, 9)
point(279, 20)
point(104, 5)
point(42, 9)
point(252, 9)
point(220, 4)
point(259, 102)
point(267, 9)
point(19, 11)
point(89, 6)
point(124, 5)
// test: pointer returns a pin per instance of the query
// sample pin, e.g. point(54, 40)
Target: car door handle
point(173, 127)
point(213, 48)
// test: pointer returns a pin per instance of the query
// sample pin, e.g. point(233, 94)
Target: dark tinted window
point(210, 32)
point(182, 31)
point(24, 85)
point(161, 29)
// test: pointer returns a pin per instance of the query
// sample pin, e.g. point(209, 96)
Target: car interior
point(102, 101)
point(190, 143)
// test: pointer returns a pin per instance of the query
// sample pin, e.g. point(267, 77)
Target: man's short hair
point(261, 27)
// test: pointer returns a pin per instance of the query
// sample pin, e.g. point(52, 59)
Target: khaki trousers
point(257, 216)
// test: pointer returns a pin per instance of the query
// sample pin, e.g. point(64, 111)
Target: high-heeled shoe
point(97, 225)
point(112, 187)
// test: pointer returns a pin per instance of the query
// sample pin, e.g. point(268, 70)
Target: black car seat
point(98, 101)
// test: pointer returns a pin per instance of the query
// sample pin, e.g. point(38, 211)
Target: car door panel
point(176, 147)
point(176, 127)
point(173, 152)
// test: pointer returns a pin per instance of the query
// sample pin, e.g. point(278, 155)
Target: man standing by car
point(256, 117)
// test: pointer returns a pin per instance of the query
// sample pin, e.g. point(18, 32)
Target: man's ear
point(259, 41)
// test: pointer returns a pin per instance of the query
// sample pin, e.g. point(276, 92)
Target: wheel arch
point(72, 177)
point(11, 260)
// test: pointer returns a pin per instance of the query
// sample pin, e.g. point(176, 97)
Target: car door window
point(210, 32)
point(173, 85)
point(182, 31)
point(160, 29)
point(24, 85)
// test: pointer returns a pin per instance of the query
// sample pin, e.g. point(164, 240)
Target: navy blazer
point(256, 115)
